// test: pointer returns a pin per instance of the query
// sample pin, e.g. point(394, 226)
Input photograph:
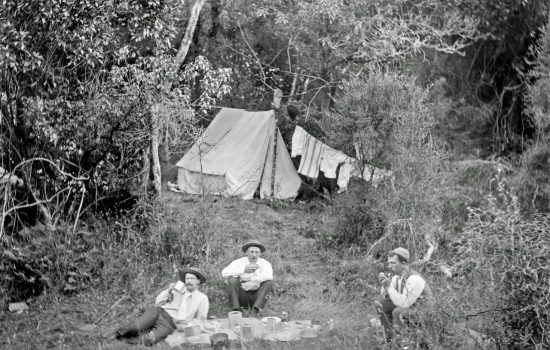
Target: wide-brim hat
point(253, 243)
point(195, 271)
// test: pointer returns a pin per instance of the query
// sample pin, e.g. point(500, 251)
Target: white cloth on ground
point(330, 160)
point(311, 157)
point(298, 140)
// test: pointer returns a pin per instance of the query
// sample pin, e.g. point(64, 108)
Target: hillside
point(305, 286)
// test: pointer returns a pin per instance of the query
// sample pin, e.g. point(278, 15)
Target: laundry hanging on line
point(311, 157)
point(316, 156)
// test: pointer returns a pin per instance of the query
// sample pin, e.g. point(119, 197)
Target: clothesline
point(316, 156)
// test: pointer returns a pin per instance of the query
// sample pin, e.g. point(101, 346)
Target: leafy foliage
point(502, 251)
point(487, 85)
point(537, 101)
point(389, 117)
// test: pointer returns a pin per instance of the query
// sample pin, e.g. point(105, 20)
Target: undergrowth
point(130, 254)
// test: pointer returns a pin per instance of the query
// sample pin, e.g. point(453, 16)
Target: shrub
point(133, 254)
point(358, 221)
point(503, 259)
point(388, 117)
point(533, 181)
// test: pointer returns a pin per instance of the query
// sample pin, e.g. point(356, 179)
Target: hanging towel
point(346, 169)
point(311, 157)
point(330, 160)
point(298, 139)
point(375, 177)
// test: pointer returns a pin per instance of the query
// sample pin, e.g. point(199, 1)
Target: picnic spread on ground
point(246, 329)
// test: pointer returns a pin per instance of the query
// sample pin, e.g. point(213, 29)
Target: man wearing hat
point(249, 279)
point(404, 294)
point(179, 306)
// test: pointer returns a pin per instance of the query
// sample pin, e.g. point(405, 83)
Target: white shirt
point(186, 306)
point(236, 269)
point(411, 290)
point(298, 139)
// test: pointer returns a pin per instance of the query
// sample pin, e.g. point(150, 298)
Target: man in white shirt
point(403, 294)
point(177, 307)
point(249, 279)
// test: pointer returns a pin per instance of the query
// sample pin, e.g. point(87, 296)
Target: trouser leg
point(260, 297)
point(161, 329)
point(397, 317)
point(386, 317)
point(144, 322)
point(234, 292)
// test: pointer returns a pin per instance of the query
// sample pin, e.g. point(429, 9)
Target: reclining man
point(176, 307)
point(404, 295)
point(249, 279)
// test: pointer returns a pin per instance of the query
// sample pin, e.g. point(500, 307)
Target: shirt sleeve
point(235, 269)
point(163, 296)
point(265, 273)
point(412, 290)
point(202, 312)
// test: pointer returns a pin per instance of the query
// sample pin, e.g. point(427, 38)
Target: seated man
point(249, 279)
point(176, 307)
point(404, 294)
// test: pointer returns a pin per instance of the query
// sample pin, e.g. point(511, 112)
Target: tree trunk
point(215, 10)
point(155, 127)
point(277, 97)
point(189, 31)
point(291, 97)
point(146, 168)
point(303, 93)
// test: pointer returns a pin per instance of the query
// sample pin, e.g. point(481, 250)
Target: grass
point(305, 286)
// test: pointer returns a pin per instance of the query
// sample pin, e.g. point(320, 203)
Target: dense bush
point(132, 253)
point(389, 118)
point(533, 179)
point(358, 221)
point(503, 252)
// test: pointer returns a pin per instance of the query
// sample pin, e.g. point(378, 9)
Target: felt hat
point(402, 252)
point(253, 243)
point(193, 270)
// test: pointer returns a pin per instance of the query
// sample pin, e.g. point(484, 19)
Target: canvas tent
point(235, 155)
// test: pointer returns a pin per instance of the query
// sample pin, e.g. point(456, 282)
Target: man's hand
point(251, 268)
point(181, 324)
point(169, 297)
point(384, 280)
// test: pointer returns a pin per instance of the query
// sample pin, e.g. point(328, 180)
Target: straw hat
point(193, 270)
point(253, 243)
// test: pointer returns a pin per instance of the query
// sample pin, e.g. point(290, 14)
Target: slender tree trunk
point(154, 119)
point(292, 98)
point(277, 97)
point(146, 168)
point(215, 10)
point(155, 127)
point(303, 95)
point(189, 31)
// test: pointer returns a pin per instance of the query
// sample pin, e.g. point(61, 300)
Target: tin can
point(284, 316)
